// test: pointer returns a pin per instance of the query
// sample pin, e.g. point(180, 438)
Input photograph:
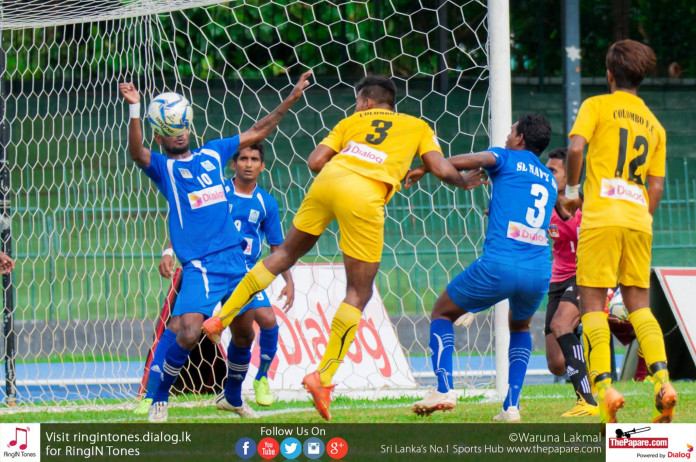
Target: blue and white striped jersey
point(523, 195)
point(199, 218)
point(255, 217)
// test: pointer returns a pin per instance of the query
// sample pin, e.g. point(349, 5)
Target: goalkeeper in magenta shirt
point(203, 235)
point(515, 264)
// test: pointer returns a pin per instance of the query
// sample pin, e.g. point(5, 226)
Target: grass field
point(540, 404)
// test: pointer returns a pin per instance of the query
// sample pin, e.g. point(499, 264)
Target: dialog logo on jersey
point(617, 188)
point(249, 245)
point(522, 233)
point(364, 152)
point(207, 196)
point(553, 231)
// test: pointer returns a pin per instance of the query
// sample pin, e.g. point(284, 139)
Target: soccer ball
point(170, 114)
point(617, 309)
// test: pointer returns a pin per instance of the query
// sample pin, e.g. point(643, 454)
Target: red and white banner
point(374, 360)
point(680, 289)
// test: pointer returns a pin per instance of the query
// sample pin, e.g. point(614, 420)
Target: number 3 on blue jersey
point(535, 216)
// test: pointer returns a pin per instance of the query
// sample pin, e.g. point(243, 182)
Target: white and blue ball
point(169, 114)
point(617, 309)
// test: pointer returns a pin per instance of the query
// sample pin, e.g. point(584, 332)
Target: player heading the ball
point(360, 165)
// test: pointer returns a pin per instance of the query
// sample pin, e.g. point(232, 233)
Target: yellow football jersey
point(380, 144)
point(626, 143)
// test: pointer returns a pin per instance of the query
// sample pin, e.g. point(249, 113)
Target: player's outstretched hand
point(475, 178)
point(6, 264)
point(289, 293)
point(569, 206)
point(166, 267)
point(301, 84)
point(129, 92)
point(414, 176)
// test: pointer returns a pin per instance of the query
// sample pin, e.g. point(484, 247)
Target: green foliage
point(536, 29)
point(260, 39)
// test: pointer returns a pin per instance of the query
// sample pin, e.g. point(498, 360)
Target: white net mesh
point(88, 227)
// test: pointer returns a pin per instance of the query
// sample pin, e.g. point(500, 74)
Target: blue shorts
point(207, 281)
point(484, 283)
point(260, 300)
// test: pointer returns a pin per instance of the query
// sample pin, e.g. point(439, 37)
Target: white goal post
point(87, 228)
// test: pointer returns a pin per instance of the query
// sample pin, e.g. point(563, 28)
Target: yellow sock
point(596, 337)
point(651, 341)
point(255, 281)
point(343, 329)
point(586, 353)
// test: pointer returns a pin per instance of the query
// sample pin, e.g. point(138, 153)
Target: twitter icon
point(290, 448)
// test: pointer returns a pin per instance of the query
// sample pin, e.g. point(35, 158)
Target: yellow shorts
point(610, 254)
point(355, 201)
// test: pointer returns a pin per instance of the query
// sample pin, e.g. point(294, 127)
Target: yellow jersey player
point(627, 147)
point(361, 164)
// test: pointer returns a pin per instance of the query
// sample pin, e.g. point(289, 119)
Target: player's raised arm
point(447, 170)
point(138, 153)
point(473, 161)
point(265, 126)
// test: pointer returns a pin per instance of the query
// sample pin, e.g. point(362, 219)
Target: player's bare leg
point(268, 342)
point(565, 344)
point(360, 276)
point(296, 244)
point(445, 313)
point(597, 337)
point(651, 341)
point(554, 356)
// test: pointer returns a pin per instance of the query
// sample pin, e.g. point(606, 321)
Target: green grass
point(540, 404)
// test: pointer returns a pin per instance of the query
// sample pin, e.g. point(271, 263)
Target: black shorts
point(564, 291)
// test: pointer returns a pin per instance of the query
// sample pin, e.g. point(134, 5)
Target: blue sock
point(442, 347)
point(174, 360)
point(518, 355)
point(268, 343)
point(237, 367)
point(155, 377)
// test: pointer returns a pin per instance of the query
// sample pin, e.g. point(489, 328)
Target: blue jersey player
point(515, 263)
point(204, 238)
point(255, 215)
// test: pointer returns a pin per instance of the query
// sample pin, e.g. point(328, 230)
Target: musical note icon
point(22, 447)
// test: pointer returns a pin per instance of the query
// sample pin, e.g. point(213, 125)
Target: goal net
point(87, 227)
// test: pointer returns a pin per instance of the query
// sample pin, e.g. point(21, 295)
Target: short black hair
point(559, 153)
point(536, 132)
point(255, 147)
point(378, 88)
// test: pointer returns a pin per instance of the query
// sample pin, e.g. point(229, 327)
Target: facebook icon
point(245, 448)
